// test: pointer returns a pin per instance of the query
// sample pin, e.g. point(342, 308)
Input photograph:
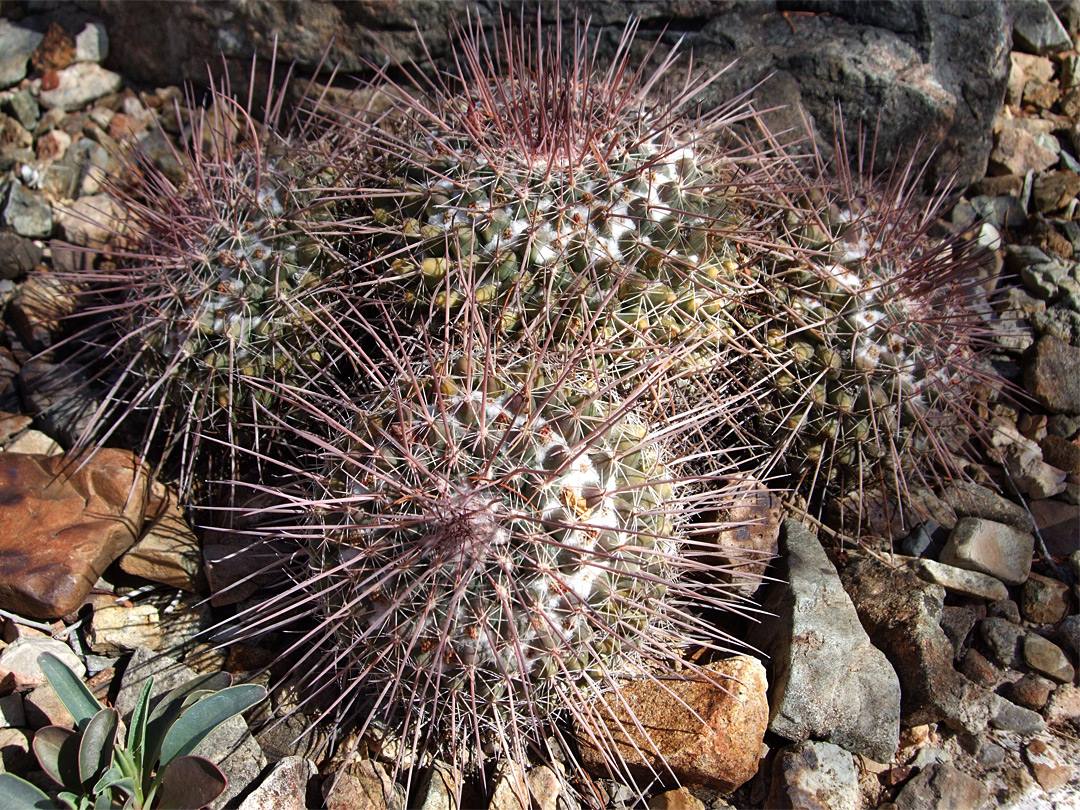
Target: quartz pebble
point(92, 43)
point(80, 84)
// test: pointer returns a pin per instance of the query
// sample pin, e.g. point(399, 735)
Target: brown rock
point(978, 669)
point(901, 614)
point(1017, 151)
point(1055, 190)
point(1041, 94)
point(1044, 600)
point(681, 799)
point(56, 51)
point(168, 551)
point(1046, 765)
point(1061, 453)
point(9, 367)
point(12, 424)
point(941, 787)
point(363, 786)
point(62, 522)
point(1031, 692)
point(1000, 186)
point(704, 733)
point(1048, 658)
point(747, 534)
point(92, 222)
point(1063, 705)
point(40, 306)
point(52, 145)
point(1051, 375)
point(1057, 522)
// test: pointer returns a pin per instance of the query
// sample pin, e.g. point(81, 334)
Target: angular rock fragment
point(704, 733)
point(829, 682)
point(63, 521)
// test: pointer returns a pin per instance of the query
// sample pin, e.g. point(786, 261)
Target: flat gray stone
point(942, 787)
point(978, 544)
point(959, 580)
point(972, 500)
point(80, 84)
point(1037, 29)
point(27, 212)
point(829, 682)
point(16, 46)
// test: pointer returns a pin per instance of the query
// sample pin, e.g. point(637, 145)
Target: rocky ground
point(939, 674)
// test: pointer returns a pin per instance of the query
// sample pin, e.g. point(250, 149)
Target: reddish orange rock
point(56, 51)
point(62, 525)
point(702, 733)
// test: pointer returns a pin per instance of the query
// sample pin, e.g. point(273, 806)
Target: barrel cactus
point(563, 204)
point(877, 334)
point(217, 283)
point(494, 543)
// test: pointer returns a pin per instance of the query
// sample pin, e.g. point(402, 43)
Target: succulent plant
point(562, 201)
point(876, 335)
point(151, 766)
point(215, 283)
point(493, 542)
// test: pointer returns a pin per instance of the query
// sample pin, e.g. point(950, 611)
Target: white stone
point(34, 441)
point(79, 85)
point(21, 656)
point(92, 43)
point(978, 544)
point(119, 628)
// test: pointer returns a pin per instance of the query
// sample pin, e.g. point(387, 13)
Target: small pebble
point(1046, 657)
point(1044, 600)
point(1031, 692)
point(1004, 609)
point(1046, 765)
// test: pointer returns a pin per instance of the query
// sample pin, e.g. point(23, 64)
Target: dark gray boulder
point(933, 68)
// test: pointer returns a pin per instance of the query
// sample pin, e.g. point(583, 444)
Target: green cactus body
point(873, 371)
point(633, 252)
point(238, 301)
point(508, 540)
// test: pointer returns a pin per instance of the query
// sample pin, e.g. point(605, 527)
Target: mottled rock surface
point(708, 734)
point(62, 524)
point(829, 682)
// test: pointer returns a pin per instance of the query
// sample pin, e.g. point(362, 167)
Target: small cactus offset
point(876, 335)
point(220, 283)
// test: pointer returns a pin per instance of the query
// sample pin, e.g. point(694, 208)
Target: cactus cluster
point(875, 336)
point(527, 321)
